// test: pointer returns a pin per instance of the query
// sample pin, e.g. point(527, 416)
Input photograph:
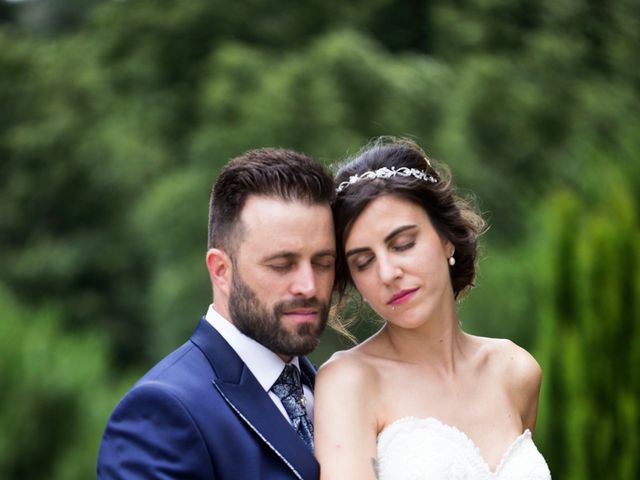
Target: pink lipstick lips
point(401, 297)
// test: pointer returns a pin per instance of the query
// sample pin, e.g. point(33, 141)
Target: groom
point(235, 401)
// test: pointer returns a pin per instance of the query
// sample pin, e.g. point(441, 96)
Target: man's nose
point(304, 283)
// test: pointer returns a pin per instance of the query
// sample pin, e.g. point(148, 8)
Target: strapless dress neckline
point(425, 448)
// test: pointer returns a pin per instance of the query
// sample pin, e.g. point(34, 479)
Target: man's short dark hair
point(272, 172)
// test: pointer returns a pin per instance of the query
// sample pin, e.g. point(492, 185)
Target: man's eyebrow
point(387, 239)
point(282, 254)
point(285, 254)
point(325, 253)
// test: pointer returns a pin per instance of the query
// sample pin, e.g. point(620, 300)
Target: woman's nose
point(388, 270)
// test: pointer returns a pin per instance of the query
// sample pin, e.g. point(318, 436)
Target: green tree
point(116, 120)
point(64, 194)
point(588, 338)
point(56, 395)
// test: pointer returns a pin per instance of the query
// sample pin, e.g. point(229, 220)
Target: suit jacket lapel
point(245, 396)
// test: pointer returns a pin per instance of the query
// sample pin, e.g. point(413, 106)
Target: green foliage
point(589, 340)
point(56, 394)
point(501, 305)
point(117, 117)
point(337, 93)
point(169, 222)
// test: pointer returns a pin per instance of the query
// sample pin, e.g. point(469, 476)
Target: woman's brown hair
point(453, 217)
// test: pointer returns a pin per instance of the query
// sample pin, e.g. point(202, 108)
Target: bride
point(420, 399)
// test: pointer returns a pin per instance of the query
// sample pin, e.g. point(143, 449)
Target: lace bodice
point(414, 448)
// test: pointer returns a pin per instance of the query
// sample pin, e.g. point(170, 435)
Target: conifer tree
point(589, 337)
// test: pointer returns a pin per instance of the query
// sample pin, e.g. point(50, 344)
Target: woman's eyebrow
point(398, 231)
point(387, 239)
point(354, 251)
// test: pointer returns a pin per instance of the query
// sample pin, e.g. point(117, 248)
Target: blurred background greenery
point(116, 116)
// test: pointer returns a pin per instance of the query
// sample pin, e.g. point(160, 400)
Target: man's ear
point(219, 266)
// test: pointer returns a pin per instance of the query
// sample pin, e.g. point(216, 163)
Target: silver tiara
point(385, 172)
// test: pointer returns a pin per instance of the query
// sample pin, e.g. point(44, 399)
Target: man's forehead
point(268, 202)
point(275, 225)
point(260, 211)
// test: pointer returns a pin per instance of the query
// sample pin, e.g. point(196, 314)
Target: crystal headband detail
point(385, 172)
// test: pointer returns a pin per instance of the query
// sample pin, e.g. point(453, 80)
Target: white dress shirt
point(264, 364)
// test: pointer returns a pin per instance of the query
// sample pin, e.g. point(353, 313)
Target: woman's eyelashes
point(361, 262)
point(404, 246)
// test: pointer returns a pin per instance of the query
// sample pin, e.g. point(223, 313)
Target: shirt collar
point(264, 364)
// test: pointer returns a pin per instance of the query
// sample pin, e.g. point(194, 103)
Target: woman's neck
point(438, 343)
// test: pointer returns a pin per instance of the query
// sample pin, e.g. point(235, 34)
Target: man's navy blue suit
point(201, 414)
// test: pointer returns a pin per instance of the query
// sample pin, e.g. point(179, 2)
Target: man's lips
point(301, 311)
point(301, 314)
point(402, 296)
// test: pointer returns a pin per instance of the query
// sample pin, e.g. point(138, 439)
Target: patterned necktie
point(288, 389)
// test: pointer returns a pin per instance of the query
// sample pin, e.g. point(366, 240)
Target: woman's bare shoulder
point(351, 368)
point(519, 373)
point(345, 407)
point(521, 367)
point(510, 361)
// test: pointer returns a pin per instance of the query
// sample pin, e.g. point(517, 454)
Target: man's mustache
point(312, 302)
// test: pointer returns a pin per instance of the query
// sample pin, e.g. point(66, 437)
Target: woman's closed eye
point(362, 262)
point(402, 246)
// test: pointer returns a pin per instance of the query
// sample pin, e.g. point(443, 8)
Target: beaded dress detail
point(414, 448)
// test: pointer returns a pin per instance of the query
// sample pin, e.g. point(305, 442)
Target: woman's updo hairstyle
point(362, 178)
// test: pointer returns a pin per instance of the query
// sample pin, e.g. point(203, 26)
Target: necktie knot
point(288, 388)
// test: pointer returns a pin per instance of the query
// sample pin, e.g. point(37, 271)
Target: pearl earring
point(452, 260)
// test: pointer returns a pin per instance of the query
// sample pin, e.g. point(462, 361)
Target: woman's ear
point(449, 250)
point(448, 246)
point(219, 267)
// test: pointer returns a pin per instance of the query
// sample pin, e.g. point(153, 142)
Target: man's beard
point(253, 319)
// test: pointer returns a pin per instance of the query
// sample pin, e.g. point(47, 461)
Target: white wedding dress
point(414, 448)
